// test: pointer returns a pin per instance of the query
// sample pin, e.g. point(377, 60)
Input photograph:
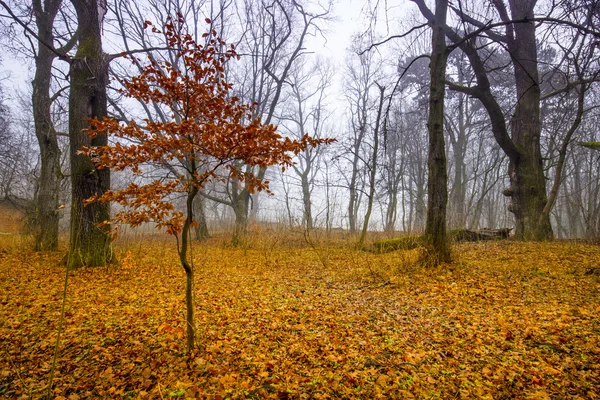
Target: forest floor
point(506, 320)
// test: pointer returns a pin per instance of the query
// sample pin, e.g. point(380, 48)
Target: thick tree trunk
point(89, 244)
point(47, 201)
point(526, 172)
point(46, 215)
point(436, 240)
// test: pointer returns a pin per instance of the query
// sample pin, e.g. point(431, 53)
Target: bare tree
point(46, 48)
point(362, 71)
point(519, 133)
point(307, 113)
point(373, 165)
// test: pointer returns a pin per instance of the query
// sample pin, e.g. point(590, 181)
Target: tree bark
point(436, 240)
point(47, 199)
point(306, 201)
point(458, 139)
point(241, 207)
point(526, 173)
point(201, 229)
point(89, 244)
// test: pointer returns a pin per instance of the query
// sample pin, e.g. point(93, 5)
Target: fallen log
point(466, 235)
point(457, 235)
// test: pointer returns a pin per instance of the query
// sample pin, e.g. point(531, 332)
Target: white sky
point(348, 19)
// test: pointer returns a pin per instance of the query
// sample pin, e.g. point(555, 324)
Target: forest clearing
point(282, 320)
point(328, 199)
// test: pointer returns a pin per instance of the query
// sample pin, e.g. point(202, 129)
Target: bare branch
point(61, 56)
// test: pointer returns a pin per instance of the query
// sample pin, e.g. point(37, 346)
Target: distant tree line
point(516, 83)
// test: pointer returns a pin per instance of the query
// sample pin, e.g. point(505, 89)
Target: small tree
point(209, 134)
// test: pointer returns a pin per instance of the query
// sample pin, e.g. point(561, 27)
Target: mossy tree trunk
point(47, 198)
point(89, 244)
point(526, 172)
point(436, 240)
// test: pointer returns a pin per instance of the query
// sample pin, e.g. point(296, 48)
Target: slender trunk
point(363, 234)
point(420, 209)
point(457, 217)
point(308, 219)
point(189, 270)
point(328, 202)
point(89, 244)
point(392, 210)
point(562, 155)
point(353, 200)
point(435, 227)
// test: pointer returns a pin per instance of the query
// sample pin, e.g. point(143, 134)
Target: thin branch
point(414, 28)
point(61, 56)
point(111, 57)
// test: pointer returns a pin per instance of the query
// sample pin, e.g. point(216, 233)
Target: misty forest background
point(303, 87)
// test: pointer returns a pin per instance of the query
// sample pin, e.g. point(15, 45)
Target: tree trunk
point(307, 214)
point(372, 181)
point(392, 210)
point(436, 240)
point(89, 244)
point(240, 208)
point(46, 215)
point(353, 201)
point(458, 139)
point(47, 200)
point(201, 229)
point(526, 172)
point(189, 271)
